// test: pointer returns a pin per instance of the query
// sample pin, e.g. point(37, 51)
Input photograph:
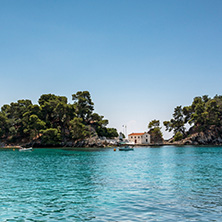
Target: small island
point(54, 122)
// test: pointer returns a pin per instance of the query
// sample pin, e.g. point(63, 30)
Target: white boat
point(25, 149)
point(126, 148)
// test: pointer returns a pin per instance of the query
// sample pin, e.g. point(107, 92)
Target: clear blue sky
point(139, 59)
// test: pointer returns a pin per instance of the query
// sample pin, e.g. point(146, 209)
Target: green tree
point(36, 124)
point(177, 123)
point(111, 133)
point(49, 104)
point(14, 114)
point(153, 124)
point(83, 105)
point(155, 132)
point(99, 124)
point(3, 125)
point(212, 113)
point(62, 116)
point(51, 136)
point(178, 136)
point(78, 130)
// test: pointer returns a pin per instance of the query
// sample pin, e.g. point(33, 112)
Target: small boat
point(25, 149)
point(126, 148)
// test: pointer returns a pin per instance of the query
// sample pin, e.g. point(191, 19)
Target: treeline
point(204, 114)
point(53, 120)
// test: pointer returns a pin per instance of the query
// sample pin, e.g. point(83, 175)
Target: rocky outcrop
point(213, 136)
point(90, 142)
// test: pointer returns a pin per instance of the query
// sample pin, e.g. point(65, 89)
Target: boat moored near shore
point(126, 148)
point(25, 149)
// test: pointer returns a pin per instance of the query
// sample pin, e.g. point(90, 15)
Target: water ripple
point(149, 184)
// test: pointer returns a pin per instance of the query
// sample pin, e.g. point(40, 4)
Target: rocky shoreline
point(210, 138)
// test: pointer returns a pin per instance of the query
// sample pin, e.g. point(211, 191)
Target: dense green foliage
point(53, 121)
point(203, 114)
point(177, 123)
point(155, 132)
point(178, 136)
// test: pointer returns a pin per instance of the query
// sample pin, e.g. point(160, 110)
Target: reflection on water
point(148, 184)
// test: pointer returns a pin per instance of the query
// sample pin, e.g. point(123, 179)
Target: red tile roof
point(136, 134)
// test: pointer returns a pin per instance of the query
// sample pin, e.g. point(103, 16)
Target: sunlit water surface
point(147, 184)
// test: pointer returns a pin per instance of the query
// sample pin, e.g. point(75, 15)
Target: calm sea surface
point(147, 184)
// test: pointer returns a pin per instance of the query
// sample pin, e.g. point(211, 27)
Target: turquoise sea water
point(147, 184)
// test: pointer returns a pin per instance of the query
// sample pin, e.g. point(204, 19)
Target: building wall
point(135, 139)
point(145, 138)
point(139, 139)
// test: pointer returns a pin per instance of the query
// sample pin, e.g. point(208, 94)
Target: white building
point(139, 138)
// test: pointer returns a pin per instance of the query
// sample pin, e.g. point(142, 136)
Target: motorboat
point(126, 148)
point(25, 149)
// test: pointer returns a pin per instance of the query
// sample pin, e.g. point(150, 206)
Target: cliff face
point(213, 136)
